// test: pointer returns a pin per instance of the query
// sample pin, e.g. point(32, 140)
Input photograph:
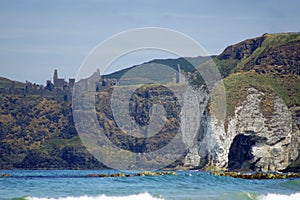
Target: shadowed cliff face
point(234, 54)
point(240, 153)
point(242, 49)
point(284, 58)
point(132, 131)
point(270, 53)
point(38, 133)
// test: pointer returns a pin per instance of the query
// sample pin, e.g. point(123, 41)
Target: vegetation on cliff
point(269, 63)
point(36, 132)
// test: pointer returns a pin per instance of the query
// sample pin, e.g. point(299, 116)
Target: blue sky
point(38, 36)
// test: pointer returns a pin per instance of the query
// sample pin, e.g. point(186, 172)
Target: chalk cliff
point(261, 130)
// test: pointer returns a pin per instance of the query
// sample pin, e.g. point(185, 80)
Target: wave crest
point(295, 196)
point(144, 196)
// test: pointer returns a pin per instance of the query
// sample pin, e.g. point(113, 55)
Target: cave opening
point(240, 152)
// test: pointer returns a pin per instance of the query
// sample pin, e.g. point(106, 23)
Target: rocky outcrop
point(232, 55)
point(283, 58)
point(269, 53)
point(242, 49)
point(261, 136)
point(265, 115)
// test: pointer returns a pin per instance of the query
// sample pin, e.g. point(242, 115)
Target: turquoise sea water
point(75, 185)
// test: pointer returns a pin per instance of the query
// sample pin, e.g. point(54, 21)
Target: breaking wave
point(143, 196)
point(295, 196)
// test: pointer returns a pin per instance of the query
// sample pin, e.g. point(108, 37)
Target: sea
point(186, 185)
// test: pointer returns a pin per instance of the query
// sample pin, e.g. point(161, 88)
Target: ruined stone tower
point(178, 74)
point(55, 77)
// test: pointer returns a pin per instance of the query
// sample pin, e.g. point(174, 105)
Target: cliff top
point(269, 49)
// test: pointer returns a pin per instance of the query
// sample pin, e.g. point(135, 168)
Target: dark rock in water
point(155, 173)
point(117, 175)
point(108, 175)
point(92, 175)
point(6, 175)
point(258, 175)
point(146, 173)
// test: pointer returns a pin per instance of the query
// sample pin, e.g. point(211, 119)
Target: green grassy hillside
point(186, 64)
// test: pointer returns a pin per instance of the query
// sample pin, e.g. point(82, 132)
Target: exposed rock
point(242, 49)
point(284, 59)
point(240, 153)
point(260, 136)
point(145, 173)
point(192, 158)
point(257, 175)
point(6, 175)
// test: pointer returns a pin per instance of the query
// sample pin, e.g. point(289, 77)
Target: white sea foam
point(143, 196)
point(295, 196)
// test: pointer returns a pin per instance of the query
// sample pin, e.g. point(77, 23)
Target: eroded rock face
point(242, 49)
point(284, 59)
point(265, 115)
point(262, 135)
point(240, 152)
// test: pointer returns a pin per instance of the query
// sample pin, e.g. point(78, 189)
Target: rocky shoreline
point(241, 175)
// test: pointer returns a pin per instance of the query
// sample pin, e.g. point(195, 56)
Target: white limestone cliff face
point(262, 135)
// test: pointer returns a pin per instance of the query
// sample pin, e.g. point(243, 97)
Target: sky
point(38, 36)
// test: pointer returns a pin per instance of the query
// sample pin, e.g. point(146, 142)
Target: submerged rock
point(108, 175)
